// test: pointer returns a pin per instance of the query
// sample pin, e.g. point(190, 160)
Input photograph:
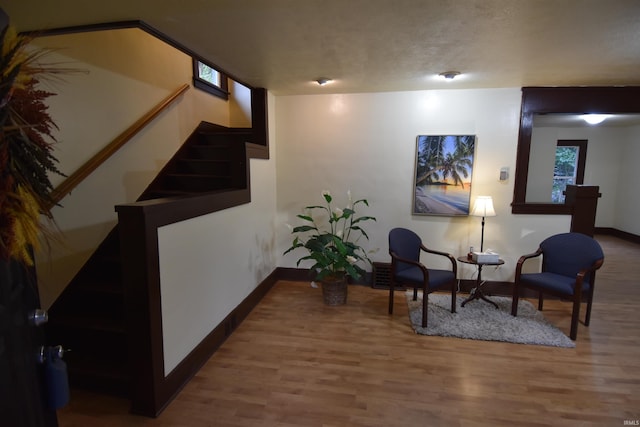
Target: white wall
point(542, 157)
point(239, 105)
point(367, 143)
point(209, 264)
point(628, 202)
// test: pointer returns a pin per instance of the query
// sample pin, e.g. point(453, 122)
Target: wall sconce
point(483, 207)
point(323, 81)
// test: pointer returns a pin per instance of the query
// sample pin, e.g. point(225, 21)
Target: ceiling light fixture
point(594, 119)
point(449, 75)
point(323, 81)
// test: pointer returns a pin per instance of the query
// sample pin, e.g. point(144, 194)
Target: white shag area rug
point(480, 320)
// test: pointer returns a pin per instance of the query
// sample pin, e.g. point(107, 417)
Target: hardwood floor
point(296, 362)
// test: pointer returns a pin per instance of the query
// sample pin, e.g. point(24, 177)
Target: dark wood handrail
point(93, 163)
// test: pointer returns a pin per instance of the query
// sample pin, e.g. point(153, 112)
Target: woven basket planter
point(334, 290)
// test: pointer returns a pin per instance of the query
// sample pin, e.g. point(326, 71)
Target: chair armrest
point(596, 265)
point(454, 264)
point(582, 273)
point(397, 258)
point(523, 258)
point(401, 259)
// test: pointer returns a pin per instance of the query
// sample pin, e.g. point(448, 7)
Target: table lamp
point(483, 206)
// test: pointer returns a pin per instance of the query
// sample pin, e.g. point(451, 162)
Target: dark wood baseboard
point(369, 279)
point(303, 274)
point(294, 274)
point(190, 365)
point(630, 237)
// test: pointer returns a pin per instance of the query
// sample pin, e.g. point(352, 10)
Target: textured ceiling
point(382, 45)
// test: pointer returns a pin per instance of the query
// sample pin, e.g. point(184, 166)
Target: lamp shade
point(483, 206)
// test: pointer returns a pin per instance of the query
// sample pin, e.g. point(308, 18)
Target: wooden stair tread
point(97, 369)
point(200, 160)
point(71, 321)
point(212, 145)
point(102, 286)
point(195, 175)
point(177, 193)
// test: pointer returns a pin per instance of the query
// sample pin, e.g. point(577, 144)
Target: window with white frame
point(569, 167)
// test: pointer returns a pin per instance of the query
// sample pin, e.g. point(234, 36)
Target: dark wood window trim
point(609, 99)
point(221, 91)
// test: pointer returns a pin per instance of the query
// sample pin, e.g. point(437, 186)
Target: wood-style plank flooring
point(296, 362)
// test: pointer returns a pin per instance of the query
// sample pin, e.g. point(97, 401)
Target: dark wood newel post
point(139, 254)
point(583, 201)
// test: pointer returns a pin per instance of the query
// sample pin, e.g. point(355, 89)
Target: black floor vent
point(381, 275)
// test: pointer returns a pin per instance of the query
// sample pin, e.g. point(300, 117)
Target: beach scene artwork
point(444, 166)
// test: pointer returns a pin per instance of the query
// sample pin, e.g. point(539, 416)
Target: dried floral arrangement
point(26, 145)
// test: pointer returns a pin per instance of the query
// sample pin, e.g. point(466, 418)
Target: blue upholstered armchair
point(405, 248)
point(569, 263)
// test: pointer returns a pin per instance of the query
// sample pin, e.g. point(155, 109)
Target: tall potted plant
point(331, 241)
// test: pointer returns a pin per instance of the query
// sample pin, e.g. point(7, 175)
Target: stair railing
point(94, 162)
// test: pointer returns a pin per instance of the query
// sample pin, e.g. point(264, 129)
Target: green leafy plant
point(332, 246)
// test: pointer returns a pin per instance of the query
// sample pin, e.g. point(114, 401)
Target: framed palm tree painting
point(444, 166)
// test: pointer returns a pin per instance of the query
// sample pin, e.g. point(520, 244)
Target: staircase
point(212, 160)
point(89, 316)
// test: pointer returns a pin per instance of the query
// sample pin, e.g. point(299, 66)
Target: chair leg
point(453, 297)
point(587, 317)
point(575, 316)
point(391, 289)
point(425, 304)
point(514, 300)
point(540, 301)
point(415, 294)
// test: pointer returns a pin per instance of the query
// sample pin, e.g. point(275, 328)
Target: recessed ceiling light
point(449, 75)
point(594, 119)
point(323, 81)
